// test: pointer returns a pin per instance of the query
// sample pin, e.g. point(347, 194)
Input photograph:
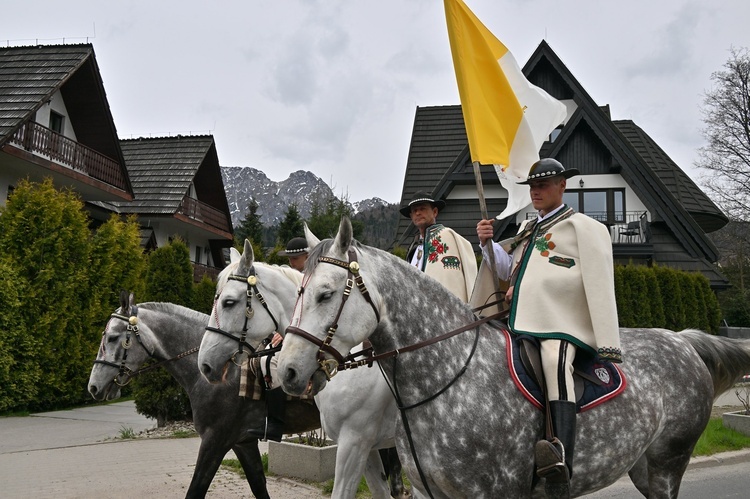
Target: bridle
point(331, 366)
point(125, 373)
point(240, 356)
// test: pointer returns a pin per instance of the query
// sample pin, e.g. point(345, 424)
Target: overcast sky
point(331, 86)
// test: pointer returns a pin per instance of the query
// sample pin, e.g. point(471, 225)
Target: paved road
point(73, 454)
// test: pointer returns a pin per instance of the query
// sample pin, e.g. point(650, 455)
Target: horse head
point(253, 300)
point(121, 353)
point(330, 315)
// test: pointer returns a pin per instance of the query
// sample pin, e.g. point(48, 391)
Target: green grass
point(126, 432)
point(184, 434)
point(234, 465)
point(716, 438)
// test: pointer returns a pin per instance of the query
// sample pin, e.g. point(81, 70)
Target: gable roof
point(662, 186)
point(163, 168)
point(31, 75)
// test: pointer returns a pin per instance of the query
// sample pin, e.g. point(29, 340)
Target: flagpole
point(485, 216)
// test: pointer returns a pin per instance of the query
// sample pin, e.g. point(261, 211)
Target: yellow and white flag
point(507, 118)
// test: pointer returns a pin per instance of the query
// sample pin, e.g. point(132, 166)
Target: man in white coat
point(439, 251)
point(560, 271)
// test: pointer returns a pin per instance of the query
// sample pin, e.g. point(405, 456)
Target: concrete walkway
point(74, 454)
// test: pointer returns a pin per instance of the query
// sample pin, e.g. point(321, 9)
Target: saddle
point(595, 381)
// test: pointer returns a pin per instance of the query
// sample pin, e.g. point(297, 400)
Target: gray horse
point(466, 430)
point(171, 333)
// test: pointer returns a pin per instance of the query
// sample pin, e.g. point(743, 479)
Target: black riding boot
point(273, 427)
point(550, 455)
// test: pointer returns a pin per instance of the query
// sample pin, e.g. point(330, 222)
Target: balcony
point(201, 212)
point(633, 229)
point(45, 142)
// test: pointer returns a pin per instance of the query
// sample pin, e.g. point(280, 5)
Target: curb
point(731, 457)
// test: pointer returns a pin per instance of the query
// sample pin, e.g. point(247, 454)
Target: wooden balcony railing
point(199, 270)
point(41, 140)
point(202, 212)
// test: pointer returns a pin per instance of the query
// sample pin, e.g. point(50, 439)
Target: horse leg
point(392, 465)
point(250, 459)
point(209, 459)
point(351, 457)
point(376, 476)
point(639, 475)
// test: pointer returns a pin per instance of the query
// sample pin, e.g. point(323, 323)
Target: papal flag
point(507, 118)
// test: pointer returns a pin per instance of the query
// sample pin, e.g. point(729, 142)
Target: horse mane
point(285, 270)
point(725, 358)
point(172, 309)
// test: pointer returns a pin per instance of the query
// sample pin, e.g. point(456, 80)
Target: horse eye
point(228, 303)
point(325, 296)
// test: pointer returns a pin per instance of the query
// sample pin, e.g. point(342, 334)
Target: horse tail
point(727, 359)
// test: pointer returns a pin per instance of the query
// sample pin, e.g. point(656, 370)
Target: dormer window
point(56, 122)
point(555, 133)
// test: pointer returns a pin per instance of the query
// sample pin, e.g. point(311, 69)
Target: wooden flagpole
point(485, 216)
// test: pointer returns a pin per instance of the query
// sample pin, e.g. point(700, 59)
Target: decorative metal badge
point(602, 374)
point(562, 262)
point(451, 262)
point(435, 248)
point(252, 280)
point(354, 267)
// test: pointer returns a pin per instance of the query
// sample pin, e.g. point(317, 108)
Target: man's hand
point(277, 338)
point(509, 295)
point(485, 231)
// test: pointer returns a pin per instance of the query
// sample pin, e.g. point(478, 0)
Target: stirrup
point(550, 461)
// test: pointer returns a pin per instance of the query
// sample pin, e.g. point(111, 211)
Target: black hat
point(421, 197)
point(295, 247)
point(548, 167)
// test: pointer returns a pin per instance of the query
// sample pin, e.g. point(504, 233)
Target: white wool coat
point(564, 287)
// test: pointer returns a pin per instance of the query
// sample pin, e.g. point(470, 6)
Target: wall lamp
point(580, 183)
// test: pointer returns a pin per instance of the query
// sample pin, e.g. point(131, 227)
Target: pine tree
point(250, 228)
point(291, 226)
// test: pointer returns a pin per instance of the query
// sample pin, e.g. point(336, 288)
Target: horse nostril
point(205, 369)
point(290, 375)
point(93, 390)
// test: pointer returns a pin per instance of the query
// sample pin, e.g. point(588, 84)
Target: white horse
point(357, 411)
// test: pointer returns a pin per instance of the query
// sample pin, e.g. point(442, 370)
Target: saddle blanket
point(250, 376)
point(612, 379)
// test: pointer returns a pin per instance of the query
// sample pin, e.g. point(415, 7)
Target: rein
point(124, 371)
point(252, 290)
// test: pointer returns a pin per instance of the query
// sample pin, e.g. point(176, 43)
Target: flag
point(507, 118)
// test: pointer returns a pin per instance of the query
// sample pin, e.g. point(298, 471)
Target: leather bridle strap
point(324, 346)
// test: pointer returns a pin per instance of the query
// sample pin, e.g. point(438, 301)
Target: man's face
point(298, 262)
point(423, 215)
point(547, 193)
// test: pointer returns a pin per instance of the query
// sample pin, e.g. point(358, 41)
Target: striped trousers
point(557, 363)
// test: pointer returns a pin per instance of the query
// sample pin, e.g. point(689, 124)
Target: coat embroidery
point(544, 244)
point(562, 262)
point(435, 248)
point(451, 262)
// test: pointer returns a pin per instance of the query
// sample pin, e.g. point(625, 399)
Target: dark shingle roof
point(29, 76)
point(692, 198)
point(161, 170)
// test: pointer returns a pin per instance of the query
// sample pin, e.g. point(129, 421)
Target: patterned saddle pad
point(596, 381)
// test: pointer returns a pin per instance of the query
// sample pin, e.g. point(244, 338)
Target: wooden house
point(178, 191)
point(55, 122)
point(655, 213)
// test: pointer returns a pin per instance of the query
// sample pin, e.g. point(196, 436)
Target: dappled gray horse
point(466, 430)
point(171, 334)
point(359, 412)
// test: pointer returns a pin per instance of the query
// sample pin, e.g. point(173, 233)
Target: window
point(555, 133)
point(56, 122)
point(198, 254)
point(605, 205)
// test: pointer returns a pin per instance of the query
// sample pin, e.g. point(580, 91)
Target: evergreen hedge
point(663, 297)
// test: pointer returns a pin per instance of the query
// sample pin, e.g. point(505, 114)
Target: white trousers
point(557, 363)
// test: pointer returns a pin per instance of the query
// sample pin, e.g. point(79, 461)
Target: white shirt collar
point(545, 217)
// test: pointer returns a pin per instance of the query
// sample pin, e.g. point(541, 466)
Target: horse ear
point(234, 255)
point(123, 301)
point(312, 239)
point(344, 237)
point(248, 256)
